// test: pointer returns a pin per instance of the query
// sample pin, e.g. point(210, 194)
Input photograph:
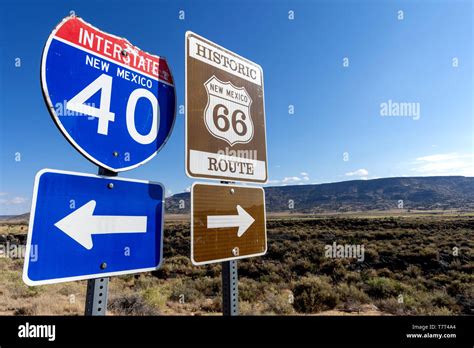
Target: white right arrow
point(242, 220)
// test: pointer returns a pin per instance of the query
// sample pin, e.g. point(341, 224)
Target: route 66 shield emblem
point(227, 114)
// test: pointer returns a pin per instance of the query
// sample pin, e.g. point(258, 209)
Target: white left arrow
point(81, 224)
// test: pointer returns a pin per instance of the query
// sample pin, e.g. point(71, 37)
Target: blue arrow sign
point(112, 101)
point(86, 226)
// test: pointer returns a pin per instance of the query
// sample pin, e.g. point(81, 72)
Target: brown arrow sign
point(228, 222)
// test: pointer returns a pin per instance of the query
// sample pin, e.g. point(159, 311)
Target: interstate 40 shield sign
point(225, 114)
point(112, 101)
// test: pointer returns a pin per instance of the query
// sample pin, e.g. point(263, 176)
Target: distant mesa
point(23, 218)
point(405, 193)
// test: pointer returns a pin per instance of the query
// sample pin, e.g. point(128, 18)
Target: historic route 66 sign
point(227, 113)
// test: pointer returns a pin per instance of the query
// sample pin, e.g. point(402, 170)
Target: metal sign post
point(96, 298)
point(230, 285)
point(98, 289)
point(230, 288)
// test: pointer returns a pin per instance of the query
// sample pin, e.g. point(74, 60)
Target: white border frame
point(31, 282)
point(192, 224)
point(186, 149)
point(55, 117)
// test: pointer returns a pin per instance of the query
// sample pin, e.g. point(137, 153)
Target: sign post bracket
point(98, 288)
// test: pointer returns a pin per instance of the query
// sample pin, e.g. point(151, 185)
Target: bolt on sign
point(225, 114)
point(228, 222)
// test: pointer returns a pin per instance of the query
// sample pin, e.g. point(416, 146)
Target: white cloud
point(304, 174)
point(273, 182)
point(18, 200)
point(3, 193)
point(13, 201)
point(289, 179)
point(361, 173)
point(445, 164)
point(188, 189)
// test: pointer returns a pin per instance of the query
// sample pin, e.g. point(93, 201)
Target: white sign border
point(31, 282)
point(55, 117)
point(192, 224)
point(186, 149)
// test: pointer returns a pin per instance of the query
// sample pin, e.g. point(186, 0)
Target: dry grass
point(408, 256)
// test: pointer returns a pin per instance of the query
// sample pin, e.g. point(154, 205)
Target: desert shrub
point(301, 267)
point(314, 294)
point(131, 304)
point(429, 253)
point(384, 272)
point(442, 311)
point(353, 277)
point(184, 291)
point(371, 256)
point(249, 308)
point(381, 287)
point(212, 304)
point(249, 269)
point(144, 281)
point(26, 310)
point(156, 297)
point(250, 290)
point(465, 300)
point(442, 299)
point(351, 294)
point(390, 305)
point(456, 287)
point(413, 271)
point(207, 286)
point(279, 302)
point(335, 268)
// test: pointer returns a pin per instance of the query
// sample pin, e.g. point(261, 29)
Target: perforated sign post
point(116, 105)
point(225, 141)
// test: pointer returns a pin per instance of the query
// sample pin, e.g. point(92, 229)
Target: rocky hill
point(417, 193)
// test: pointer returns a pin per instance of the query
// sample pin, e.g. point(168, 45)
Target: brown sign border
point(188, 34)
point(230, 258)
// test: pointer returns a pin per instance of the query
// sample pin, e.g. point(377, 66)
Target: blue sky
point(424, 58)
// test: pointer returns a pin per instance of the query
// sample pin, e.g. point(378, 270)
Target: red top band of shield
point(79, 33)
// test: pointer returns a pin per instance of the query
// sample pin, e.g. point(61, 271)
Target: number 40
point(103, 113)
